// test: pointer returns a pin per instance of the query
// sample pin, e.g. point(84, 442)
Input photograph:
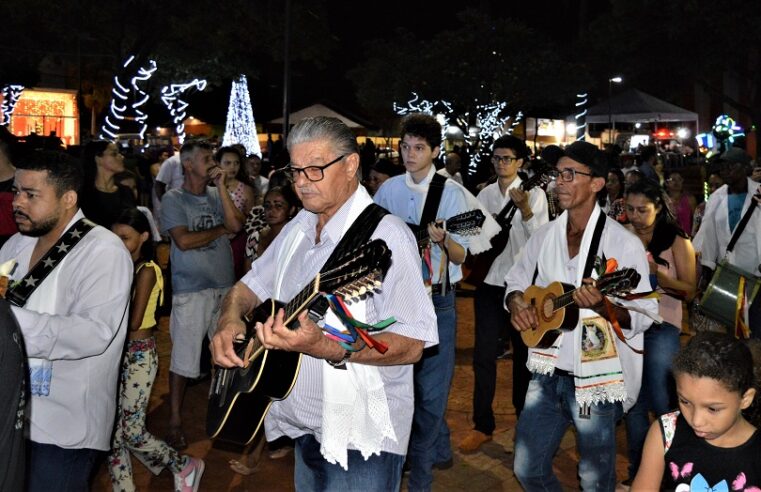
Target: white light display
point(440, 109)
point(121, 96)
point(170, 95)
point(581, 116)
point(240, 127)
point(11, 95)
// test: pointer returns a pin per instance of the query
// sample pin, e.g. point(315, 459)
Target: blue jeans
point(429, 440)
point(52, 468)
point(313, 474)
point(550, 408)
point(658, 391)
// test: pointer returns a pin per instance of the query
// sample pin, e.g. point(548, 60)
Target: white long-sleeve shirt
point(77, 318)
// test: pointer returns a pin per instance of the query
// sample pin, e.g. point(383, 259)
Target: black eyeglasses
point(568, 174)
point(312, 173)
point(498, 159)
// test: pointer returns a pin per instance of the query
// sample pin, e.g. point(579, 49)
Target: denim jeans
point(491, 318)
point(658, 392)
point(550, 408)
point(313, 474)
point(52, 468)
point(429, 440)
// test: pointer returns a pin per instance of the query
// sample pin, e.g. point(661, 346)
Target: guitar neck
point(300, 301)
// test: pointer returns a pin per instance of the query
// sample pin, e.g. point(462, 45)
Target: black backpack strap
point(358, 234)
point(741, 225)
point(20, 292)
point(594, 245)
point(432, 200)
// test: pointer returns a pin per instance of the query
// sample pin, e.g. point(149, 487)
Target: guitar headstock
point(360, 274)
point(619, 282)
point(467, 223)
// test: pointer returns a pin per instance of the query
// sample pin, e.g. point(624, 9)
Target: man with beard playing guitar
point(342, 441)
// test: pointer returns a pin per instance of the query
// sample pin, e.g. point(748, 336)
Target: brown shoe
point(473, 441)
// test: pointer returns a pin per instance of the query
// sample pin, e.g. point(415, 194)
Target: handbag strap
point(19, 294)
point(741, 225)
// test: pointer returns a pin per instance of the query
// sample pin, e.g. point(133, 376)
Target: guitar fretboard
point(297, 303)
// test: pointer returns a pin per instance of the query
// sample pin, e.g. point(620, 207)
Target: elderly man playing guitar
point(591, 371)
point(350, 410)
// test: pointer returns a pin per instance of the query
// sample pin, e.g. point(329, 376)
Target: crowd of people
point(369, 403)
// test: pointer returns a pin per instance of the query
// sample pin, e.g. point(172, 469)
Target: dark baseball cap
point(736, 155)
point(589, 155)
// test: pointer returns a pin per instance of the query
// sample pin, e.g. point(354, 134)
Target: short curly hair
point(423, 126)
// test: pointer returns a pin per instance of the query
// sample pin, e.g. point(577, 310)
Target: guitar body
point(239, 409)
point(551, 321)
point(480, 264)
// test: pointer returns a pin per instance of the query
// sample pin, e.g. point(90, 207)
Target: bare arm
point(454, 250)
point(238, 302)
point(144, 283)
point(651, 467)
point(684, 262)
point(232, 217)
point(308, 339)
point(185, 239)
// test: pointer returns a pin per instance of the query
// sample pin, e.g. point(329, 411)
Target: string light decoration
point(581, 117)
point(170, 95)
point(121, 96)
point(11, 95)
point(440, 109)
point(240, 127)
point(722, 135)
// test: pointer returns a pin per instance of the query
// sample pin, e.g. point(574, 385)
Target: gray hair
point(324, 128)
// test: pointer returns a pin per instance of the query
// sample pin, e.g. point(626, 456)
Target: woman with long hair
point(614, 206)
point(682, 203)
point(672, 274)
point(243, 195)
point(102, 200)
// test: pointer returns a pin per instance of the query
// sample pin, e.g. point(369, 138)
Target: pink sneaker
point(189, 478)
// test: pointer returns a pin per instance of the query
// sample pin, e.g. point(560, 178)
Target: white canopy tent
point(318, 110)
point(634, 106)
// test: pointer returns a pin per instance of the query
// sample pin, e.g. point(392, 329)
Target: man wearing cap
point(592, 373)
point(723, 213)
point(508, 155)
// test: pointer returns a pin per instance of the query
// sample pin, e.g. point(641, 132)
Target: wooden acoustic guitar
point(557, 310)
point(239, 398)
point(479, 265)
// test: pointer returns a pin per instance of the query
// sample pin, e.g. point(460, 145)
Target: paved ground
point(489, 469)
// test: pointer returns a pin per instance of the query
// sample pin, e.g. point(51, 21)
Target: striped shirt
point(403, 296)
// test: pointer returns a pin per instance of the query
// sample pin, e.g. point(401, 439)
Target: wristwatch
point(341, 364)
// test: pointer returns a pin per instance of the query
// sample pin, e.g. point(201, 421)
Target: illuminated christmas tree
point(240, 127)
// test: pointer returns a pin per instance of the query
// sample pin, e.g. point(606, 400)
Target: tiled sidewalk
point(488, 469)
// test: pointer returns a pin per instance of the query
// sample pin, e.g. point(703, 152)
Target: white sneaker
point(189, 478)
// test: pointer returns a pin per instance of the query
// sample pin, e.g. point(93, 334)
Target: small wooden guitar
point(239, 398)
point(465, 224)
point(480, 264)
point(557, 311)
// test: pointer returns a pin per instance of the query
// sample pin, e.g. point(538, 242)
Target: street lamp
point(617, 79)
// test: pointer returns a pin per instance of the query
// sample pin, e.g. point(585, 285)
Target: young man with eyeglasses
point(405, 196)
point(491, 320)
point(198, 218)
point(589, 375)
point(723, 213)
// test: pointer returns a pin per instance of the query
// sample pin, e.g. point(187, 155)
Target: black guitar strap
point(432, 199)
point(357, 235)
point(20, 293)
point(741, 225)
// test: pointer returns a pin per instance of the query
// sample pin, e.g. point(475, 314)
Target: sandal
point(176, 439)
point(240, 468)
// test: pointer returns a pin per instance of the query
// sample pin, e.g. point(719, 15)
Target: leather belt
point(436, 288)
point(563, 372)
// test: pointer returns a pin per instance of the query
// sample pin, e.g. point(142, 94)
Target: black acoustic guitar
point(480, 264)
point(239, 398)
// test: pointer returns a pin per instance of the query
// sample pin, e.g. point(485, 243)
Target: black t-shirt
point(12, 401)
point(104, 208)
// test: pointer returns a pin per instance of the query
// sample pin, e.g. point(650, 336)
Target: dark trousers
point(52, 468)
point(491, 318)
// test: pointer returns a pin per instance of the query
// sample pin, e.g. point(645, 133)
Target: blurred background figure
point(380, 172)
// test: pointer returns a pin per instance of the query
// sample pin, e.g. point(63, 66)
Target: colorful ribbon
point(354, 330)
